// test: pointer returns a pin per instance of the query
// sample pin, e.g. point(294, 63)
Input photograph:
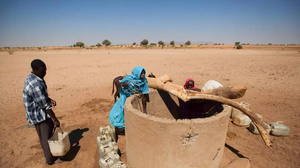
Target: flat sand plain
point(80, 81)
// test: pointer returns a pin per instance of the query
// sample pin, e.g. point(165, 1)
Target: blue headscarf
point(135, 75)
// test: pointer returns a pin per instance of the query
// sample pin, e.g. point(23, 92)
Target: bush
point(79, 44)
point(160, 43)
point(188, 43)
point(106, 42)
point(172, 43)
point(239, 47)
point(10, 52)
point(144, 42)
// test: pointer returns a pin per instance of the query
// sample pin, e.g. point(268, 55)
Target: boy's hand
point(53, 102)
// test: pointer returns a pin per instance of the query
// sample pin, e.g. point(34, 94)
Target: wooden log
point(162, 83)
point(257, 122)
point(230, 92)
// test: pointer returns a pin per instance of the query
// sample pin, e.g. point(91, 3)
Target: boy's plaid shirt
point(36, 100)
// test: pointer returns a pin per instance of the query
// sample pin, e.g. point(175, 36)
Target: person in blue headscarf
point(136, 82)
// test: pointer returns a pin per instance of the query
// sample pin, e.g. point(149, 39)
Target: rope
point(133, 87)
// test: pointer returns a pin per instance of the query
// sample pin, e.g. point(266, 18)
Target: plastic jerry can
point(119, 164)
point(108, 160)
point(245, 104)
point(242, 120)
point(252, 128)
point(236, 112)
point(114, 155)
point(103, 139)
point(279, 129)
point(110, 146)
point(108, 130)
point(59, 143)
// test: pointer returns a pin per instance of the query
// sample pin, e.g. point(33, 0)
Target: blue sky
point(25, 23)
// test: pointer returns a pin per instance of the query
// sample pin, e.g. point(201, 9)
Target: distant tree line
point(144, 43)
point(160, 43)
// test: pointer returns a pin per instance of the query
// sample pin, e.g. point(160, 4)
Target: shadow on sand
point(234, 151)
point(74, 136)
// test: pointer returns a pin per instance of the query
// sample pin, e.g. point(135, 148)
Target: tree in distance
point(188, 43)
point(106, 42)
point(79, 44)
point(239, 47)
point(172, 43)
point(161, 43)
point(237, 43)
point(144, 42)
point(98, 45)
point(134, 43)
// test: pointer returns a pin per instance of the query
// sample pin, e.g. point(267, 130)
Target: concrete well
point(161, 139)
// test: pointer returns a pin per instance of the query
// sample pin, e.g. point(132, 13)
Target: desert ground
point(80, 81)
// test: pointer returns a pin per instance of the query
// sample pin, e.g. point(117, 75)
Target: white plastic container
point(279, 129)
point(103, 139)
point(108, 160)
point(108, 130)
point(114, 155)
point(119, 164)
point(236, 112)
point(245, 104)
point(110, 146)
point(242, 120)
point(252, 128)
point(211, 84)
point(59, 143)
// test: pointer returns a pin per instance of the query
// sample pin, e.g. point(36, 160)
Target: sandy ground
point(81, 82)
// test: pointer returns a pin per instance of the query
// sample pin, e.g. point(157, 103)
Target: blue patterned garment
point(116, 114)
point(36, 100)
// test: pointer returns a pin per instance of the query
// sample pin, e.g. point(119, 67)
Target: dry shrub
point(10, 52)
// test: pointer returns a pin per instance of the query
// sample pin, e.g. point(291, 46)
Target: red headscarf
point(187, 81)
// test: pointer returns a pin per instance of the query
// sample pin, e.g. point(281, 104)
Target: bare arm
point(53, 117)
point(145, 99)
point(52, 114)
